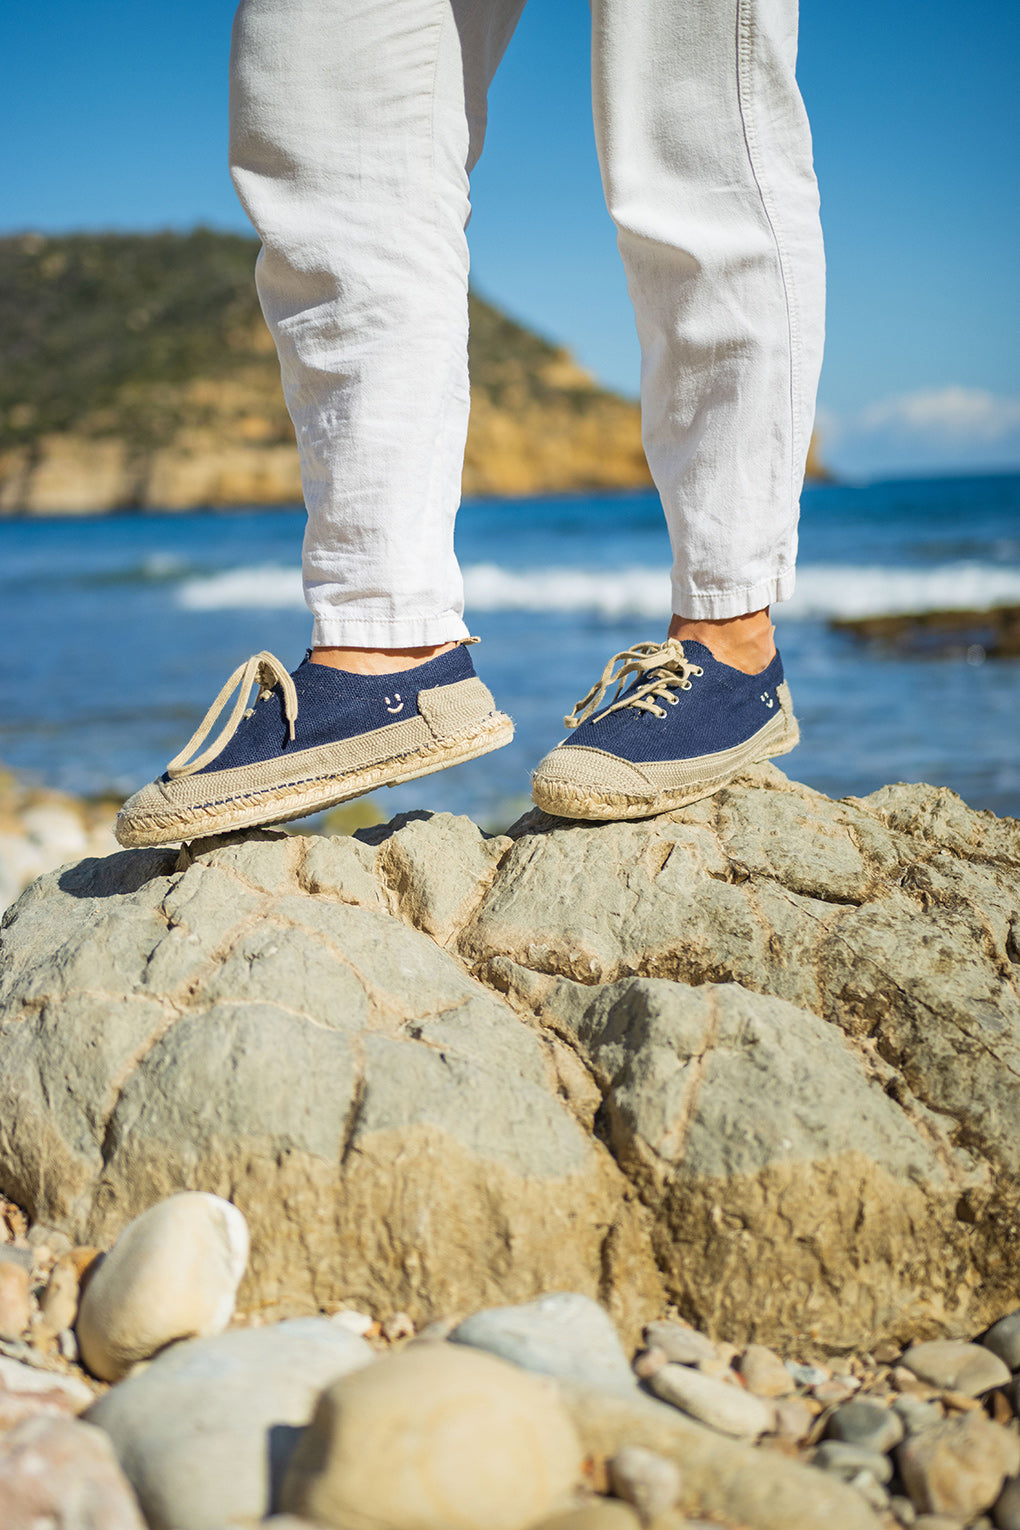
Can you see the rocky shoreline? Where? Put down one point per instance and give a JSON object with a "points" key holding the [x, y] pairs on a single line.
{"points": [[710, 1121], [187, 1416]]}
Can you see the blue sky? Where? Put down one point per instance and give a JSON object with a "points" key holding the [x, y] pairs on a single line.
{"points": [[113, 115]]}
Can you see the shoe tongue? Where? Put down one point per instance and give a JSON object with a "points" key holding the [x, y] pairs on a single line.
{"points": [[696, 653]]}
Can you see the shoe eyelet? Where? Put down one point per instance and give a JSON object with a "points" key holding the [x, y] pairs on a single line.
{"points": [[672, 701]]}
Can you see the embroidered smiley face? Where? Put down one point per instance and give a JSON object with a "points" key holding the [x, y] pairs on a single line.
{"points": [[769, 701], [393, 710]]}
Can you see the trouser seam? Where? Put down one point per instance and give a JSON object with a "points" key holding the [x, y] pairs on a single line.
{"points": [[745, 105]]}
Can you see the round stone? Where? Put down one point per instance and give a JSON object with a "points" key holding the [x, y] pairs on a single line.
{"points": [[869, 1425], [847, 1460], [958, 1466], [600, 1514], [172, 1274], [1006, 1509], [915, 1414], [648, 1481], [680, 1344], [957, 1366], [434, 1436], [1003, 1339], [764, 1373], [15, 1305]]}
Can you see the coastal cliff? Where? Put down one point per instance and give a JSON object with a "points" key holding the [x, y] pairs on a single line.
{"points": [[136, 372]]}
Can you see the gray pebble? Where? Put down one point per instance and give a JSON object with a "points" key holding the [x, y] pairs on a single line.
{"points": [[21, 1256], [869, 1425], [564, 1334], [916, 1415], [847, 1460], [1006, 1510], [1003, 1339], [871, 1491], [683, 1346], [957, 1366]]}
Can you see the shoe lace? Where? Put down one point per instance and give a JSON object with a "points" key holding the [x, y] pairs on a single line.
{"points": [[665, 670], [264, 668]]}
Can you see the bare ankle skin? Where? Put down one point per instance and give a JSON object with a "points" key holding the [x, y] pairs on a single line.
{"points": [[378, 661], [743, 642]]}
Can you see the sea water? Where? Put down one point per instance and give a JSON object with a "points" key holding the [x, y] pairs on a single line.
{"points": [[117, 632]]}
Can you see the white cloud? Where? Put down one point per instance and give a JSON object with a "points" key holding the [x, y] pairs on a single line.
{"points": [[961, 414]]}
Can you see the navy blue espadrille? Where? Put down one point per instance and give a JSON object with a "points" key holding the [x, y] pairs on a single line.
{"points": [[312, 739], [679, 725]]}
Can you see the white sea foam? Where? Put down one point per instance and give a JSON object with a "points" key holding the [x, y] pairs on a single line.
{"points": [[823, 590]]}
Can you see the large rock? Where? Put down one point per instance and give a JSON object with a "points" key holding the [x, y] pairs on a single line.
{"points": [[768, 1044], [255, 1019], [804, 1023], [205, 1432]]}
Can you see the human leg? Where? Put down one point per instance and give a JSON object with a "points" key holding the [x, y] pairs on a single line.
{"points": [[706, 162], [354, 128]]}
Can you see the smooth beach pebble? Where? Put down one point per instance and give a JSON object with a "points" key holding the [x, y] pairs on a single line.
{"points": [[727, 1408], [957, 1366], [793, 1419], [866, 1424], [600, 1514], [204, 1432], [15, 1303], [172, 1274], [645, 1479], [1003, 1339], [434, 1436], [682, 1345], [847, 1460], [958, 1466], [764, 1373], [59, 1474], [354, 1322], [565, 1335], [917, 1415], [648, 1362], [1006, 1509], [59, 1302]]}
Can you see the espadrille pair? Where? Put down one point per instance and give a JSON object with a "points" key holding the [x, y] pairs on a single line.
{"points": [[678, 726]]}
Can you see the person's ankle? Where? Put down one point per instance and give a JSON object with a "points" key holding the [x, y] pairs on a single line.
{"points": [[378, 661], [743, 642]]}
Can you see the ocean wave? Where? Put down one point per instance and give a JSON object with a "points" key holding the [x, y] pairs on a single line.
{"points": [[823, 590]]}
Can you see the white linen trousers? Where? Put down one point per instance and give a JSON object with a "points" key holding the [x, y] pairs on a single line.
{"points": [[354, 127]]}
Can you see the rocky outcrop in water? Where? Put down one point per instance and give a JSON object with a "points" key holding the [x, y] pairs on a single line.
{"points": [[758, 1057]]}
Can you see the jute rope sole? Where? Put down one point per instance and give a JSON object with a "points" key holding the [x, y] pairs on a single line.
{"points": [[565, 799], [281, 804]]}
